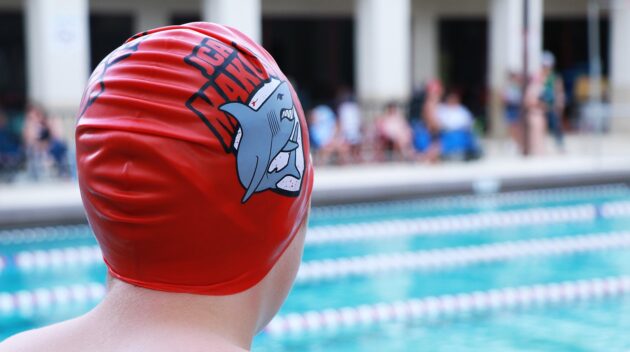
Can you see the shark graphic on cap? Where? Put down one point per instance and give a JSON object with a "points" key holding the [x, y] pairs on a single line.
{"points": [[268, 144]]}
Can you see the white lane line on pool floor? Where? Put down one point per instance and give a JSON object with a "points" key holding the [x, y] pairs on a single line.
{"points": [[448, 202], [458, 256], [464, 222], [430, 307], [42, 298]]}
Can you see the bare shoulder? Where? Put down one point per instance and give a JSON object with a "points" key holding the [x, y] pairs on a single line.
{"points": [[57, 337], [23, 342]]}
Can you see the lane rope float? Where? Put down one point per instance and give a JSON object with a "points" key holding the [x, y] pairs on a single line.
{"points": [[436, 259], [43, 298], [458, 304], [465, 222]]}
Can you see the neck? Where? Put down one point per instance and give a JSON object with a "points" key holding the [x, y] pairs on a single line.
{"points": [[230, 321]]}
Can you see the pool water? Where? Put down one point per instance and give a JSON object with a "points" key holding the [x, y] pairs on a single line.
{"points": [[597, 324]]}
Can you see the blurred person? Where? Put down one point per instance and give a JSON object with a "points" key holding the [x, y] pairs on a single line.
{"points": [[421, 136], [350, 129], [535, 116], [34, 133], [395, 132], [199, 198], [43, 144], [323, 130], [10, 149], [456, 128], [513, 103], [552, 97], [418, 97], [427, 135]]}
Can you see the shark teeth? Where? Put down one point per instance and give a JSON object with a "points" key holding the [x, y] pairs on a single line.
{"points": [[287, 113]]}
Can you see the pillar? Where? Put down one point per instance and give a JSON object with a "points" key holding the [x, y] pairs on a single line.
{"points": [[620, 70], [57, 35], [506, 50], [505, 55], [244, 15], [383, 50], [149, 17], [425, 47], [535, 36]]}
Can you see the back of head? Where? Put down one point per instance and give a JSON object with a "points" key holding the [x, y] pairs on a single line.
{"points": [[193, 160], [548, 60]]}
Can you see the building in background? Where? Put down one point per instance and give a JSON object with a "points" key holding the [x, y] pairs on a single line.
{"points": [[379, 48]]}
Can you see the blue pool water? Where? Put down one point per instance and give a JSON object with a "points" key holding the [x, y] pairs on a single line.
{"points": [[584, 325]]}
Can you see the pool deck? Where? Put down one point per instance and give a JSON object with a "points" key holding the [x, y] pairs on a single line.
{"points": [[586, 160]]}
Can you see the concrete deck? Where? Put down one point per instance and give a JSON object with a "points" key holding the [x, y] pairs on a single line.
{"points": [[587, 160]]}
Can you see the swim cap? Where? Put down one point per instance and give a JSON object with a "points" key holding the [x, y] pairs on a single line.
{"points": [[193, 160]]}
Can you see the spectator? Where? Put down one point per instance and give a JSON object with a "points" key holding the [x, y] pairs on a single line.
{"points": [[10, 151], [513, 101], [44, 148], [349, 114], [552, 97], [456, 125], [427, 135], [323, 131], [535, 116], [394, 131]]}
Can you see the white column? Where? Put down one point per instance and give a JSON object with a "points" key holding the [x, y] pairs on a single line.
{"points": [[535, 37], [505, 53], [244, 15], [425, 47], [619, 67], [150, 17], [383, 54], [506, 50], [57, 52]]}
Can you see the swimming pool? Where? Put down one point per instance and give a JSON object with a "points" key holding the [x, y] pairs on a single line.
{"points": [[540, 270]]}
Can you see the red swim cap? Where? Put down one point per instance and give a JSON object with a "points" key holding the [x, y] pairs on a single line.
{"points": [[193, 160]]}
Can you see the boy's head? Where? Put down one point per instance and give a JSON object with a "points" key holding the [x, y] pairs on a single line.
{"points": [[452, 97], [193, 161]]}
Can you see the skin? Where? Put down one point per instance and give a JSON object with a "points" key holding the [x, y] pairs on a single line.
{"points": [[131, 318]]}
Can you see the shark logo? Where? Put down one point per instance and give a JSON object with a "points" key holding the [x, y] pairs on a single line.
{"points": [[268, 142]]}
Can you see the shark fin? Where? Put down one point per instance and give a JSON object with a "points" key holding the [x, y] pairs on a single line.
{"points": [[290, 146], [240, 111], [259, 172]]}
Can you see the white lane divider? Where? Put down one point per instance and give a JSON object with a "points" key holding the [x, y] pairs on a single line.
{"points": [[448, 202], [44, 234], [42, 298], [616, 209], [457, 256], [27, 260], [430, 307], [465, 222], [369, 264], [334, 233], [44, 259]]}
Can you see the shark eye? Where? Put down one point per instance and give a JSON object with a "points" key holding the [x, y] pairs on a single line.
{"points": [[280, 95]]}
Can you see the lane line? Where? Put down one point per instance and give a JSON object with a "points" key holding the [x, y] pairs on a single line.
{"points": [[446, 305], [466, 222], [437, 259], [448, 202], [45, 298]]}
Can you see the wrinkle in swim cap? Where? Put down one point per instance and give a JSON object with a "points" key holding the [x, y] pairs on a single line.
{"points": [[193, 160]]}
